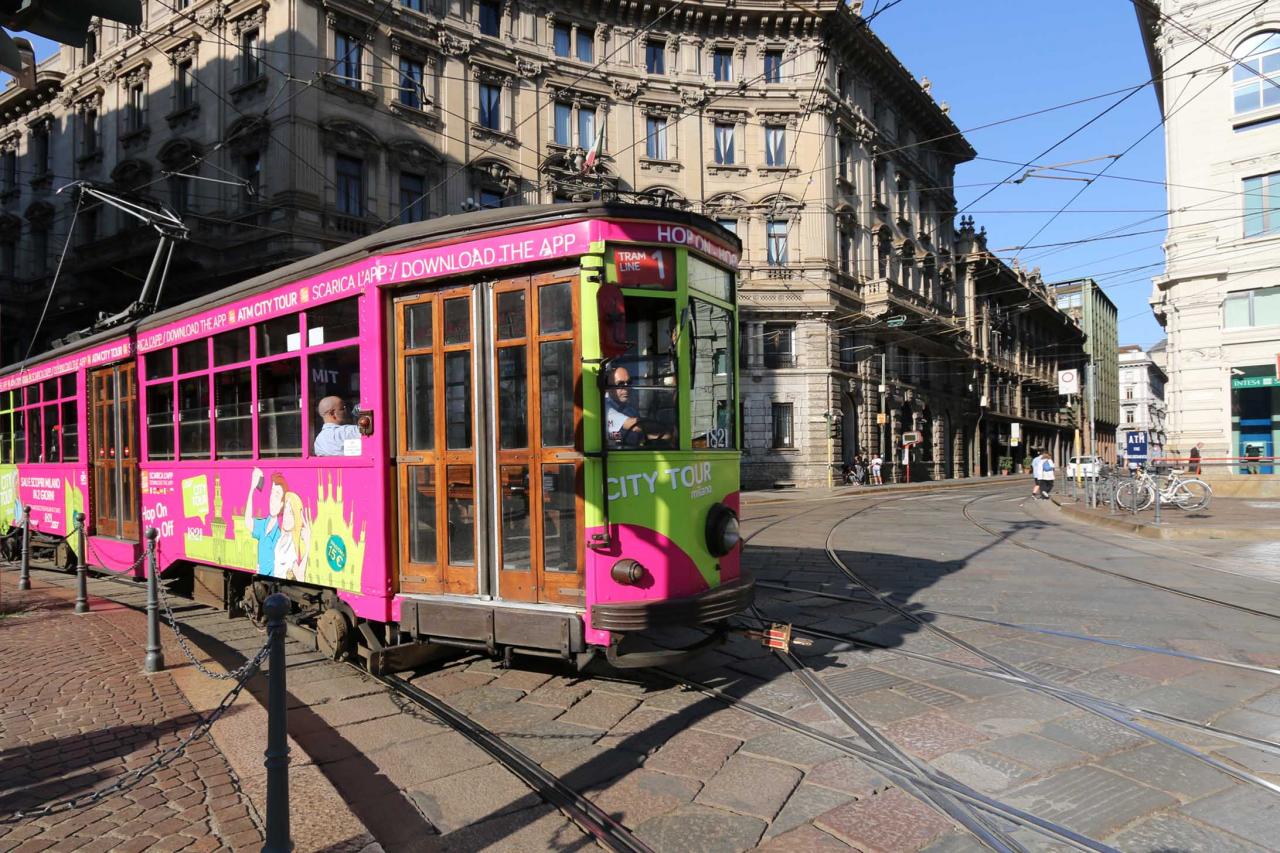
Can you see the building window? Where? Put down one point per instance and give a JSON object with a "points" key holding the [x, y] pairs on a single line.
{"points": [[39, 249], [350, 55], [90, 46], [1246, 308], [561, 39], [410, 83], [773, 66], [415, 5], [413, 197], [184, 85], [783, 434], [586, 44], [490, 199], [844, 153], [251, 173], [89, 132], [722, 65], [586, 128], [846, 252], [180, 191], [490, 15], [250, 56], [10, 171], [779, 345], [1255, 78], [655, 59], [564, 124], [350, 180], [136, 110], [730, 225], [775, 145], [724, 143], [1262, 204], [655, 143], [491, 106], [904, 196], [776, 245]]}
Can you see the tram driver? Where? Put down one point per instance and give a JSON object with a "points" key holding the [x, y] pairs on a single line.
{"points": [[626, 427], [334, 435]]}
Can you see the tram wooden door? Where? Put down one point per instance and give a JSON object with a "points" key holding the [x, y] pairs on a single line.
{"points": [[113, 425], [535, 358], [489, 477]]}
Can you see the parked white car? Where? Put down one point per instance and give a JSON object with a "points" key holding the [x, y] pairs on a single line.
{"points": [[1084, 466]]}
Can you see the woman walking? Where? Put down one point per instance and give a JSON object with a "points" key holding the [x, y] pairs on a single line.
{"points": [[1046, 475]]}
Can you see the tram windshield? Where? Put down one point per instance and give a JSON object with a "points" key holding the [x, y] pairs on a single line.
{"points": [[711, 395], [641, 397]]}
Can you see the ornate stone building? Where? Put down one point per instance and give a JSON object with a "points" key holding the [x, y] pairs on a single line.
{"points": [[278, 129]]}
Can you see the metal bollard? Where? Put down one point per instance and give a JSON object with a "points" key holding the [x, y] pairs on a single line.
{"points": [[1114, 492], [24, 569], [1157, 503], [277, 841], [155, 654], [82, 573]]}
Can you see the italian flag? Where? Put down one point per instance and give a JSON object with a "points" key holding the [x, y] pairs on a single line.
{"points": [[594, 154]]}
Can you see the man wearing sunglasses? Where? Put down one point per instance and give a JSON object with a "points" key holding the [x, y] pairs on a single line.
{"points": [[623, 422], [331, 441]]}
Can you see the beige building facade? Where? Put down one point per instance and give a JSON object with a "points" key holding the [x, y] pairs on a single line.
{"points": [[1219, 295], [277, 129]]}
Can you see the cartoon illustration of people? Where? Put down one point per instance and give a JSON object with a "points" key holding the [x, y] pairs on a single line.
{"points": [[267, 528], [294, 543]]}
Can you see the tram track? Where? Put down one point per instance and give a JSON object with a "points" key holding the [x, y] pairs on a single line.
{"points": [[1009, 538]]}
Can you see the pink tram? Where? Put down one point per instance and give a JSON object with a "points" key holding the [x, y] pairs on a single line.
{"points": [[513, 430]]}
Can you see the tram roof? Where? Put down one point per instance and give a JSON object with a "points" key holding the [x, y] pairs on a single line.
{"points": [[389, 239]]}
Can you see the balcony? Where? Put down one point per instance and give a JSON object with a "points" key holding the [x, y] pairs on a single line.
{"points": [[347, 226], [779, 360]]}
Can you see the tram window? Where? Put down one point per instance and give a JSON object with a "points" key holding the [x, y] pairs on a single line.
{"points": [[50, 389], [556, 386], [510, 311], [159, 364], [70, 432], [233, 414], [516, 537], [457, 400], [231, 347], [457, 321], [422, 514], [420, 391], [278, 336], [555, 308], [513, 398], [193, 418], [6, 432], [711, 279], [34, 450], [160, 421], [52, 436], [69, 385], [336, 321], [460, 506], [641, 399], [33, 394], [711, 401], [19, 434], [279, 409], [334, 373], [193, 356], [559, 519], [417, 322]]}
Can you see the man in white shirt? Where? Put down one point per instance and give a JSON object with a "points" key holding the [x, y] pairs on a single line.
{"points": [[336, 432], [1036, 465], [623, 422]]}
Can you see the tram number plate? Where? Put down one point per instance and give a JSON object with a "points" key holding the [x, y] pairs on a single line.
{"points": [[718, 438]]}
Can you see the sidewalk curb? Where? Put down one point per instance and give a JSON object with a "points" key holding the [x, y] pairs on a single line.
{"points": [[1150, 531], [761, 497]]}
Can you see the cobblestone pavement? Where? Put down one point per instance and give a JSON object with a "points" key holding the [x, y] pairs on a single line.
{"points": [[77, 712], [687, 772]]}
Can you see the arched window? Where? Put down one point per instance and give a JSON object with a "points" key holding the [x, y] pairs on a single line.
{"points": [[1255, 79]]}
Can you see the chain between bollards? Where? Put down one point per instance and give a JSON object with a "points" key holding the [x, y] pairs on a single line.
{"points": [[24, 569], [82, 572], [155, 654], [276, 608]]}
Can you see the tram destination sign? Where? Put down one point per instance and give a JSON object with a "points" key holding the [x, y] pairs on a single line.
{"points": [[642, 266]]}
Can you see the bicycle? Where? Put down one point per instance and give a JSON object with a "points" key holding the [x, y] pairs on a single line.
{"points": [[1188, 494]]}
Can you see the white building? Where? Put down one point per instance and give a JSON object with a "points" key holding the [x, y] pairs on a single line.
{"points": [[1142, 404], [1219, 295]]}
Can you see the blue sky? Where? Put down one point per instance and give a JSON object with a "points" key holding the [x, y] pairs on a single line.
{"points": [[1001, 58], [997, 59]]}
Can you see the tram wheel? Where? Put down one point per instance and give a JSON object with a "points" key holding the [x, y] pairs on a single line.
{"points": [[333, 635]]}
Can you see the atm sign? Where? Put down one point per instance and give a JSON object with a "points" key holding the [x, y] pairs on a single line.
{"points": [[645, 267]]}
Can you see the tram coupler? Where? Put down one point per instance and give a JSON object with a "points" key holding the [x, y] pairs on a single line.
{"points": [[778, 637]]}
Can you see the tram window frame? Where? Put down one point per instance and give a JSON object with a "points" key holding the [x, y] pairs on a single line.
{"points": [[6, 427], [294, 330], [723, 411], [30, 412], [668, 383]]}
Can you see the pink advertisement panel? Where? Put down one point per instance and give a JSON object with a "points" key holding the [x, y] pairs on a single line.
{"points": [[102, 354]]}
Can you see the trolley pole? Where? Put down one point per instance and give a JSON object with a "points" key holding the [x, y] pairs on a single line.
{"points": [[24, 569], [277, 754], [155, 654], [82, 572]]}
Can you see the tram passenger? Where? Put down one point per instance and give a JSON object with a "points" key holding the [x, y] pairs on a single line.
{"points": [[332, 438], [624, 423]]}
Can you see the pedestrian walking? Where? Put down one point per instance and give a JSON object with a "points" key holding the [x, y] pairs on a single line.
{"points": [[1036, 465], [1195, 458], [1252, 454], [1046, 475], [876, 464]]}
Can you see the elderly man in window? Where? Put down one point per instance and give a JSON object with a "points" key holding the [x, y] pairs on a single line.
{"points": [[336, 432]]}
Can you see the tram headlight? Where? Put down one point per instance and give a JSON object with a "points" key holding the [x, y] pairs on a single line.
{"points": [[722, 530], [627, 572]]}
